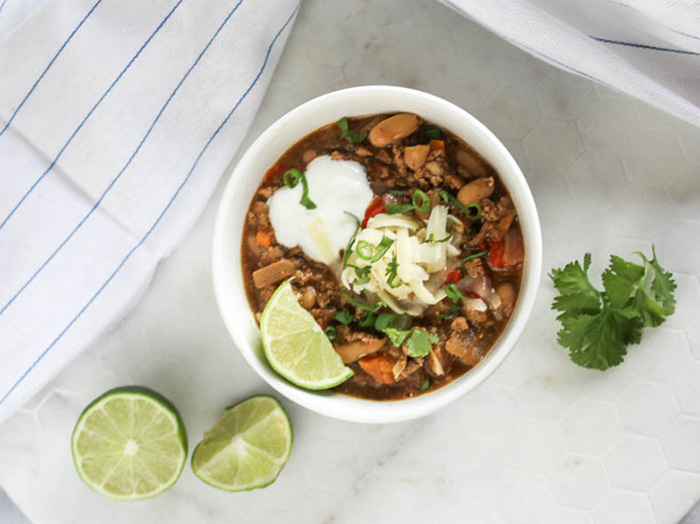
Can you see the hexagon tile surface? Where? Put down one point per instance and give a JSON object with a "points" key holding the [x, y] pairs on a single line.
{"points": [[542, 441]]}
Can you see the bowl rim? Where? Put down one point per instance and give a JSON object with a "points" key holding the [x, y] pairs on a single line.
{"points": [[363, 410]]}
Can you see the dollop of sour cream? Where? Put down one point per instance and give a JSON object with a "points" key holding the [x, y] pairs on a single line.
{"points": [[337, 187]]}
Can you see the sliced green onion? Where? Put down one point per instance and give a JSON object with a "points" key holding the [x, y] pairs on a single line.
{"points": [[421, 201], [356, 303], [382, 248], [453, 292], [305, 200], [473, 211], [396, 192], [425, 385], [431, 238], [395, 209], [291, 178], [365, 250], [392, 272], [331, 332], [348, 248]]}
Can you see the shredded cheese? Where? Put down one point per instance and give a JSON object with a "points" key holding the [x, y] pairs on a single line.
{"points": [[419, 250]]}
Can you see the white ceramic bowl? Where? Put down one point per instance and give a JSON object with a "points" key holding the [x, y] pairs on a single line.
{"points": [[228, 280]]}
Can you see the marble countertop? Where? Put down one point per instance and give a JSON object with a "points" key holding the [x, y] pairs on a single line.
{"points": [[542, 440]]}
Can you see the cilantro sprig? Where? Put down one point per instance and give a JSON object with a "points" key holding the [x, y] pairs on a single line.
{"points": [[597, 326]]}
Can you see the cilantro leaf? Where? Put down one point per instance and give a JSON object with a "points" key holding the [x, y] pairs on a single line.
{"points": [[599, 341], [598, 326], [344, 317], [576, 293], [662, 283], [421, 343], [397, 336]]}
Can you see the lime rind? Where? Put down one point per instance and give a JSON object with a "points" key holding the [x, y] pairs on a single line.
{"points": [[176, 440], [292, 340], [225, 450]]}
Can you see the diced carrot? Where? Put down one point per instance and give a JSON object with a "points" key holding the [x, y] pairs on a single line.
{"points": [[264, 237], [379, 367], [437, 144]]}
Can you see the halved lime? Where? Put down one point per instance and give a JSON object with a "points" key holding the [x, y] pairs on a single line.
{"points": [[247, 448], [129, 444], [296, 346]]}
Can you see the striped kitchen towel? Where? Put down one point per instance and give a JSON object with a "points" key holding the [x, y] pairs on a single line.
{"points": [[117, 119], [649, 49]]}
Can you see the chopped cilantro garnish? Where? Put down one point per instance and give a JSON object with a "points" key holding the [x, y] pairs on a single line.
{"points": [[367, 319], [354, 137], [597, 326], [425, 385], [344, 317], [397, 336], [421, 343], [357, 303]]}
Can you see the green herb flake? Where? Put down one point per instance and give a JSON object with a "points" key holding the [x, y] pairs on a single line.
{"points": [[425, 385], [354, 137], [395, 209], [344, 317], [397, 336], [367, 319], [453, 292], [432, 134], [597, 326], [421, 343]]}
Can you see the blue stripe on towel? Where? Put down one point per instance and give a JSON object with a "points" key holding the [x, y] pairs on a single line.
{"points": [[644, 46], [85, 119], [157, 221], [128, 162], [46, 69]]}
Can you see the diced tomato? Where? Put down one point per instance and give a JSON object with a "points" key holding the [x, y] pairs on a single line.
{"points": [[376, 207], [496, 253], [276, 172], [379, 367], [452, 277]]}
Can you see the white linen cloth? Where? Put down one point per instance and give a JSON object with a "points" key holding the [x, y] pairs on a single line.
{"points": [[649, 49], [117, 119]]}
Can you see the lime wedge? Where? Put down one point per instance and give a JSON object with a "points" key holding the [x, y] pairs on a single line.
{"points": [[296, 346], [129, 444], [247, 448]]}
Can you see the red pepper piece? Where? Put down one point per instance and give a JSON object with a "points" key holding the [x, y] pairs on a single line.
{"points": [[376, 207], [496, 248], [452, 277]]}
